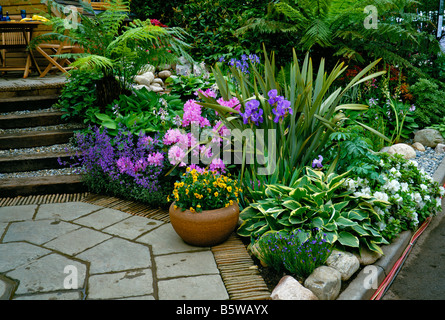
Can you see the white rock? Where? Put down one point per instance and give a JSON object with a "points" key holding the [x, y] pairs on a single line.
{"points": [[140, 86], [156, 89], [145, 79], [324, 282], [159, 81], [346, 263], [418, 146], [164, 74], [290, 289], [155, 84], [367, 257], [407, 151], [429, 137], [440, 148]]}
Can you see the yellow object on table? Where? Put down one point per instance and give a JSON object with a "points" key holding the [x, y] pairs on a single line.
{"points": [[35, 18]]}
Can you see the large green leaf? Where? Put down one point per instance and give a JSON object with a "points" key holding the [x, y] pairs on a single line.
{"points": [[348, 239]]}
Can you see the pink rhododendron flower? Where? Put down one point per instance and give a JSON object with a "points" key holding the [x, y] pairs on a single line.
{"points": [[176, 156], [172, 136], [155, 159], [218, 165]]}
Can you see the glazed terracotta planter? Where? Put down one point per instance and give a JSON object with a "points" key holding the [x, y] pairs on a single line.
{"points": [[207, 228]]}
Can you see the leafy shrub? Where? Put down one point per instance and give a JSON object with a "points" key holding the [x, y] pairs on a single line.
{"points": [[298, 252], [143, 112], [429, 100], [78, 94], [318, 201], [212, 25]]}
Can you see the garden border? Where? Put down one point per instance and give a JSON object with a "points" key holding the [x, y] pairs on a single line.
{"points": [[392, 252]]}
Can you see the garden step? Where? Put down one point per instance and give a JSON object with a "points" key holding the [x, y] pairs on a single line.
{"points": [[12, 187], [35, 138], [32, 162], [42, 118], [19, 103]]}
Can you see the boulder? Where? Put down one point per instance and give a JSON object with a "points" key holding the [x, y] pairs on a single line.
{"points": [[324, 282], [346, 263], [290, 289], [164, 74], [158, 81], [429, 137], [145, 78], [440, 148], [156, 88], [407, 151], [367, 257], [418, 146]]}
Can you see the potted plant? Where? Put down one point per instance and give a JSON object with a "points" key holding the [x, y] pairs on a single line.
{"points": [[205, 210]]}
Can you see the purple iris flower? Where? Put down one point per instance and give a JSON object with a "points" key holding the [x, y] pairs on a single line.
{"points": [[317, 162], [252, 112]]}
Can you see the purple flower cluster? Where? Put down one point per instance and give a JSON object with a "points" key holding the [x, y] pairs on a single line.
{"points": [[252, 113], [243, 63], [281, 106], [125, 158]]}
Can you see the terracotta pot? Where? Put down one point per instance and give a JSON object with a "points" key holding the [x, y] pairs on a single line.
{"points": [[206, 228]]}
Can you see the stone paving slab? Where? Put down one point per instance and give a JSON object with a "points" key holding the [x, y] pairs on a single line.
{"points": [[75, 250]]}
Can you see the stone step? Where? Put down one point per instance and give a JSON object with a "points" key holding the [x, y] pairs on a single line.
{"points": [[33, 162], [19, 103], [35, 119], [35, 138], [12, 187]]}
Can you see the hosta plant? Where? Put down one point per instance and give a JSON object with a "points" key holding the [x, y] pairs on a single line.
{"points": [[316, 200]]}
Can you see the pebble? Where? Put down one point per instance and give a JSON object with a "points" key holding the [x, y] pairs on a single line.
{"points": [[429, 160], [40, 173], [54, 148], [72, 126]]}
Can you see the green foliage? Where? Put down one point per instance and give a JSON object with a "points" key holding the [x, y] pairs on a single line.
{"points": [[430, 101], [352, 151], [337, 26], [78, 95], [316, 200], [212, 25], [186, 86], [440, 127], [143, 112]]}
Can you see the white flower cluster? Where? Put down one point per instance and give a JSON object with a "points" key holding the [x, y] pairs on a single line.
{"points": [[400, 191]]}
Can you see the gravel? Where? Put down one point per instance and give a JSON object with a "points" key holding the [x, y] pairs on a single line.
{"points": [[40, 173], [22, 112], [54, 148], [63, 126], [429, 160]]}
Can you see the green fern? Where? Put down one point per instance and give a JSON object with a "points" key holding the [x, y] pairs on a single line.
{"points": [[338, 25]]}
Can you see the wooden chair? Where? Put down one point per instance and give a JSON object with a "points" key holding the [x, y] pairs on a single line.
{"points": [[15, 39], [55, 63]]}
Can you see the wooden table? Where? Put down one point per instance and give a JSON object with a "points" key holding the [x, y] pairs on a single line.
{"points": [[25, 29]]}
